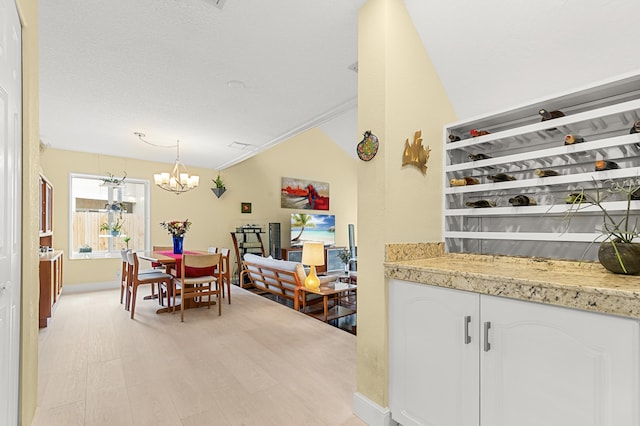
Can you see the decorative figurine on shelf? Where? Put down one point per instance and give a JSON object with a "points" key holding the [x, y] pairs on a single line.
{"points": [[546, 115], [571, 139], [480, 204], [475, 133], [501, 177], [602, 165], [467, 180], [477, 157], [415, 154], [545, 173], [368, 147], [635, 128], [575, 198], [522, 200], [453, 138]]}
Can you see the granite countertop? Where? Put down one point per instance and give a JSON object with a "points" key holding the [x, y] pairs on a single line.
{"points": [[581, 285]]}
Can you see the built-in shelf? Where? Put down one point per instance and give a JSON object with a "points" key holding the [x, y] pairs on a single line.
{"points": [[518, 144]]}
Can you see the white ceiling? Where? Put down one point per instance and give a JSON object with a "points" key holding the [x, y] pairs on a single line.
{"points": [[495, 54], [162, 67]]}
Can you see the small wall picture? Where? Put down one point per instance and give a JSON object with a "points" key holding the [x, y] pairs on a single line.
{"points": [[245, 207], [304, 194]]}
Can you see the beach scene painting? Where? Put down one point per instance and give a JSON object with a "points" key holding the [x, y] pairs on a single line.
{"points": [[313, 227], [304, 194]]}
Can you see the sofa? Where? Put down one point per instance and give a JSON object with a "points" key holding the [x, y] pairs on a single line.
{"points": [[281, 278]]}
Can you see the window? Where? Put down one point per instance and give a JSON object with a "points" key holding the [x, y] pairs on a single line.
{"points": [[107, 217]]}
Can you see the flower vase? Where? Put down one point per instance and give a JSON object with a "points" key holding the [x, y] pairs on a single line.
{"points": [[177, 244]]}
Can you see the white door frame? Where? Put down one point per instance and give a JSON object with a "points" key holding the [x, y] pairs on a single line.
{"points": [[10, 209]]}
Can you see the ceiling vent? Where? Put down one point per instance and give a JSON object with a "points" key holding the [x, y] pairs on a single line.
{"points": [[217, 3], [240, 145]]}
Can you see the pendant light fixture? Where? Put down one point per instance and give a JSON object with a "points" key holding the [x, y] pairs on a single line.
{"points": [[178, 180]]}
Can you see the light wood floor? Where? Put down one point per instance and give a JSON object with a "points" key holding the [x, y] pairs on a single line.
{"points": [[260, 363]]}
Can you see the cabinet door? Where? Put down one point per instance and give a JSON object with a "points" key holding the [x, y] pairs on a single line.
{"points": [[555, 366], [433, 367]]}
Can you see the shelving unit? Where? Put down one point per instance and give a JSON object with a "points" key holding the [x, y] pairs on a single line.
{"points": [[246, 239], [519, 144]]}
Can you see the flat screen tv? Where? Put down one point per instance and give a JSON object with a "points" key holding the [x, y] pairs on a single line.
{"points": [[313, 227]]}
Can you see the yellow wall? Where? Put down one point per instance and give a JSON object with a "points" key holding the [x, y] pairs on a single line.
{"points": [[256, 180], [399, 92], [30, 291]]}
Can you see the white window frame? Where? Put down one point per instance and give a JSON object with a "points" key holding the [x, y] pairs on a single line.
{"points": [[113, 253]]}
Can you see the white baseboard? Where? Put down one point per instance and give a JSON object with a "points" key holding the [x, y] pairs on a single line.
{"points": [[370, 412], [85, 287]]}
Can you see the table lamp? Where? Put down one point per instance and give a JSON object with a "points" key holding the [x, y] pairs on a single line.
{"points": [[312, 255]]}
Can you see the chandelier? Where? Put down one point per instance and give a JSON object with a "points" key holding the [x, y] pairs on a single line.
{"points": [[178, 180]]}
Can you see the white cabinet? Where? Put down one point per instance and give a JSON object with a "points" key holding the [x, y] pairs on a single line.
{"points": [[518, 145], [433, 358], [526, 363]]}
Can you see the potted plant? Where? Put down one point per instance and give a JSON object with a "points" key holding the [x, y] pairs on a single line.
{"points": [[219, 188], [617, 252], [345, 257], [126, 241], [113, 227], [111, 180]]}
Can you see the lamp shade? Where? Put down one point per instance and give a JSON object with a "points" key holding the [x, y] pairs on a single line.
{"points": [[313, 253]]}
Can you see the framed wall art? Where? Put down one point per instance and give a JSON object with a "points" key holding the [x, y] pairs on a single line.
{"points": [[245, 207], [304, 194]]}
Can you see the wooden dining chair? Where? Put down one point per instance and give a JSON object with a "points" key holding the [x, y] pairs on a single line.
{"points": [[160, 267], [135, 279], [226, 274], [124, 272], [200, 276]]}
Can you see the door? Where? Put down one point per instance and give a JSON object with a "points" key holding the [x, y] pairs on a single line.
{"points": [[433, 355], [555, 366], [10, 207]]}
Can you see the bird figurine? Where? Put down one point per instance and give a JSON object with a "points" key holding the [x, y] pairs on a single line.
{"points": [[522, 200], [477, 157], [575, 198], [606, 165], [546, 115], [571, 139], [475, 133], [501, 177], [481, 204], [545, 173]]}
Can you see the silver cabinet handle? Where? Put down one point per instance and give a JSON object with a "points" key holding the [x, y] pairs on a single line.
{"points": [[487, 345], [467, 336]]}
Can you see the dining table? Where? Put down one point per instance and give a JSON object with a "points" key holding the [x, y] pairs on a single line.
{"points": [[172, 262]]}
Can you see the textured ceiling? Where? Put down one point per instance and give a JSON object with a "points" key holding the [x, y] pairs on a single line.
{"points": [[163, 67]]}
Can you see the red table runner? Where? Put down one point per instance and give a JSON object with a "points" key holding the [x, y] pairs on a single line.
{"points": [[190, 272]]}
